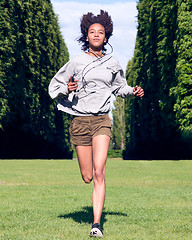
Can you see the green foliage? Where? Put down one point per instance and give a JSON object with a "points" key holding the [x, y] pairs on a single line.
{"points": [[129, 105], [118, 129], [162, 66], [114, 153], [32, 51], [183, 46]]}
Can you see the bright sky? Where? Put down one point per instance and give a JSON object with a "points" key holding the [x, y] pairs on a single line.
{"points": [[99, 1], [124, 16]]}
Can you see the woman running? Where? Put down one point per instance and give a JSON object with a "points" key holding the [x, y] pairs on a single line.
{"points": [[83, 88]]}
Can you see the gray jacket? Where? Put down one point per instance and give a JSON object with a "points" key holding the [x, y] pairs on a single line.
{"points": [[98, 79]]}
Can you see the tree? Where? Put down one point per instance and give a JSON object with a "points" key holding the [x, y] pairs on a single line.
{"points": [[118, 130], [32, 51], [151, 122], [183, 90]]}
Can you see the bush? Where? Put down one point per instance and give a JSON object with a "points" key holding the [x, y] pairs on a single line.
{"points": [[115, 154], [111, 154]]}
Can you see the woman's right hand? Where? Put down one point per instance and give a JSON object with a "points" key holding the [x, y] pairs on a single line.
{"points": [[72, 86]]}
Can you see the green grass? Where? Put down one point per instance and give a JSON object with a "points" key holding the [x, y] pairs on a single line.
{"points": [[46, 199]]}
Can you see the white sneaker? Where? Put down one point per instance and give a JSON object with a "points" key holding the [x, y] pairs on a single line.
{"points": [[96, 231]]}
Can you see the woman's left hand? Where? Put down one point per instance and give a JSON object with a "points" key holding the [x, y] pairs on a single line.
{"points": [[138, 91]]}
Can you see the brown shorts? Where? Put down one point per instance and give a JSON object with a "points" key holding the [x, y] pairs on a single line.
{"points": [[84, 129]]}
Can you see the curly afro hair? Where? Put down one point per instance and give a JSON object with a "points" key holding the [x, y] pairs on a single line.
{"points": [[87, 20]]}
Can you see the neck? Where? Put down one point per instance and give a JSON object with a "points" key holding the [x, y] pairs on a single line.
{"points": [[95, 53]]}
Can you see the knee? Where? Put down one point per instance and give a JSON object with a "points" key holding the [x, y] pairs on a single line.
{"points": [[87, 179], [99, 176]]}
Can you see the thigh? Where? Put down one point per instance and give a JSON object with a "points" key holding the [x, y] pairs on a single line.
{"points": [[84, 155], [100, 145]]}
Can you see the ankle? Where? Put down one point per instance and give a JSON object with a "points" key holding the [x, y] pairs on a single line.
{"points": [[96, 223]]}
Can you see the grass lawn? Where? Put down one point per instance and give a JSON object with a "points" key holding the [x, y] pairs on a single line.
{"points": [[46, 199]]}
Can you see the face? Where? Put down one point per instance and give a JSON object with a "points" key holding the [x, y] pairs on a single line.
{"points": [[96, 36]]}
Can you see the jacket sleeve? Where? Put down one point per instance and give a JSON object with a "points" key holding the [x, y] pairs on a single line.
{"points": [[120, 86], [58, 86]]}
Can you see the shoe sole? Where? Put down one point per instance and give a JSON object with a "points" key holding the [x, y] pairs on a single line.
{"points": [[95, 232]]}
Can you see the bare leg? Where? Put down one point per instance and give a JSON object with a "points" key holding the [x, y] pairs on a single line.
{"points": [[100, 146], [84, 154], [92, 160]]}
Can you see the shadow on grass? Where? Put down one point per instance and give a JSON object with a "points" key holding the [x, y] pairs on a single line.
{"points": [[86, 215]]}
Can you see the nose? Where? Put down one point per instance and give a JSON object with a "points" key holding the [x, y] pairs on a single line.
{"points": [[96, 34]]}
